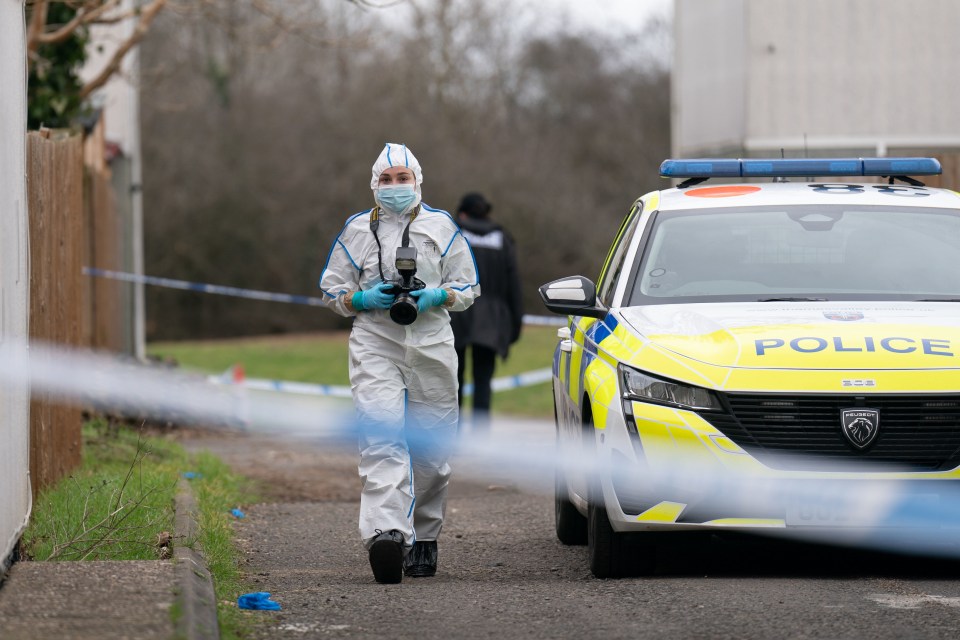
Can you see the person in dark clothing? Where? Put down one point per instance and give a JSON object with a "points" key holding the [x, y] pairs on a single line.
{"points": [[493, 323]]}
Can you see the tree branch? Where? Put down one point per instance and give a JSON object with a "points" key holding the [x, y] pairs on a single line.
{"points": [[285, 27], [115, 18], [84, 15], [147, 14], [38, 21]]}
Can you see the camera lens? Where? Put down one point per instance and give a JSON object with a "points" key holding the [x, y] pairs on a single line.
{"points": [[404, 309]]}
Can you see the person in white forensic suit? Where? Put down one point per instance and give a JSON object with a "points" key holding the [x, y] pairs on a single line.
{"points": [[403, 366]]}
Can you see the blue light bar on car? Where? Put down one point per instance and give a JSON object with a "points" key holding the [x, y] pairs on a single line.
{"points": [[798, 167]]}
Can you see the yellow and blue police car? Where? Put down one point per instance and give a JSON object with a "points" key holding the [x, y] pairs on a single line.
{"points": [[794, 327]]}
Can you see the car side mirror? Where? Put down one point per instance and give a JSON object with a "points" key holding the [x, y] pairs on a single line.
{"points": [[573, 296]]}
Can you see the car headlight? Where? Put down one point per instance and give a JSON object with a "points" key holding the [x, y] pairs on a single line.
{"points": [[640, 386]]}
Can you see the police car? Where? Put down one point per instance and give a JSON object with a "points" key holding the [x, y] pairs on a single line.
{"points": [[792, 327]]}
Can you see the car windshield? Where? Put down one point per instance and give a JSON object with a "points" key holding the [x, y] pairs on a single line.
{"points": [[800, 252]]}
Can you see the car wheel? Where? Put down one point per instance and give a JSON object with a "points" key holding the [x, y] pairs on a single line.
{"points": [[571, 525], [613, 554]]}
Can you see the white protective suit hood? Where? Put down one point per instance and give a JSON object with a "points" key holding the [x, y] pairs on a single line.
{"points": [[394, 155]]}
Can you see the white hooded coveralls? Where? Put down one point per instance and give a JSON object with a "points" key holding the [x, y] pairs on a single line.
{"points": [[404, 378]]}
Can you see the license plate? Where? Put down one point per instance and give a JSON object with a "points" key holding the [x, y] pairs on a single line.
{"points": [[829, 512], [825, 514]]}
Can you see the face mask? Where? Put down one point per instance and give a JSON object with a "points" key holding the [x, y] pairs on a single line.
{"points": [[396, 198]]}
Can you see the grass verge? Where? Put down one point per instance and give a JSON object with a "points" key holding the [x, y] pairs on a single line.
{"points": [[116, 506], [119, 506], [217, 492]]}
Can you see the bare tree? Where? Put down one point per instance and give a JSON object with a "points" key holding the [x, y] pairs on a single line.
{"points": [[57, 31], [561, 132]]}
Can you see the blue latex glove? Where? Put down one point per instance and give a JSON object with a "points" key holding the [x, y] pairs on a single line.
{"points": [[376, 298], [259, 600], [427, 298]]}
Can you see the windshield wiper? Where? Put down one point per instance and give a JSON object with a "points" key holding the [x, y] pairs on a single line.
{"points": [[792, 300], [938, 300]]}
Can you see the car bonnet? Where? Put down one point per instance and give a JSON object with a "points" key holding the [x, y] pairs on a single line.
{"points": [[823, 336]]}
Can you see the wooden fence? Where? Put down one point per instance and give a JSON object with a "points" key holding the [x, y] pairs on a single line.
{"points": [[55, 200], [73, 223]]}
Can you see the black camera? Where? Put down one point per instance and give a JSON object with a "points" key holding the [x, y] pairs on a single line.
{"points": [[404, 308]]}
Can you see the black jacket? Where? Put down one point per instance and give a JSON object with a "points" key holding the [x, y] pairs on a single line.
{"points": [[495, 318]]}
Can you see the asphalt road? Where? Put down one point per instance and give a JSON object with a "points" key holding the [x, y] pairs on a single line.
{"points": [[503, 574]]}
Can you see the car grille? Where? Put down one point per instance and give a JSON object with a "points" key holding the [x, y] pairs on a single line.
{"points": [[917, 432]]}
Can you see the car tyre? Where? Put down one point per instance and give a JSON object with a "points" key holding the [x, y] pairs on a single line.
{"points": [[613, 554], [571, 525]]}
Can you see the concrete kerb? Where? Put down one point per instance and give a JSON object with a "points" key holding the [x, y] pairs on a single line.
{"points": [[195, 600]]}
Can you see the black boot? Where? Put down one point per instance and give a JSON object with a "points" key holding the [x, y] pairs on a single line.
{"points": [[421, 562], [386, 557]]}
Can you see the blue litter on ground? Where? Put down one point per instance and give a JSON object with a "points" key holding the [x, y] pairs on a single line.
{"points": [[191, 475], [258, 600], [237, 513]]}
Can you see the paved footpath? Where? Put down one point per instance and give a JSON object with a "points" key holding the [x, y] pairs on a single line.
{"points": [[114, 600], [102, 600], [504, 575]]}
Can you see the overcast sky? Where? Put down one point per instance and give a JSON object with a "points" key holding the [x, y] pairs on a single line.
{"points": [[612, 15]]}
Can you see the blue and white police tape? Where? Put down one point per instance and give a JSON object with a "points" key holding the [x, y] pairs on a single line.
{"points": [[505, 383], [545, 321], [901, 516], [185, 285], [254, 294]]}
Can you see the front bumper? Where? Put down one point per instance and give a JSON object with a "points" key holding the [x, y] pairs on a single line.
{"points": [[670, 469]]}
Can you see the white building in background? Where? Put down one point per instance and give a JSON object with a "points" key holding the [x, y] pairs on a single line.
{"points": [[119, 100], [14, 277], [842, 77]]}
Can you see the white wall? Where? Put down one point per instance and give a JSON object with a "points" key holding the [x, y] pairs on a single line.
{"points": [[115, 96], [120, 100], [709, 75], [842, 74], [14, 275]]}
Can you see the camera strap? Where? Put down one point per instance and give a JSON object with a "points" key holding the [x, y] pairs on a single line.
{"points": [[404, 239]]}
